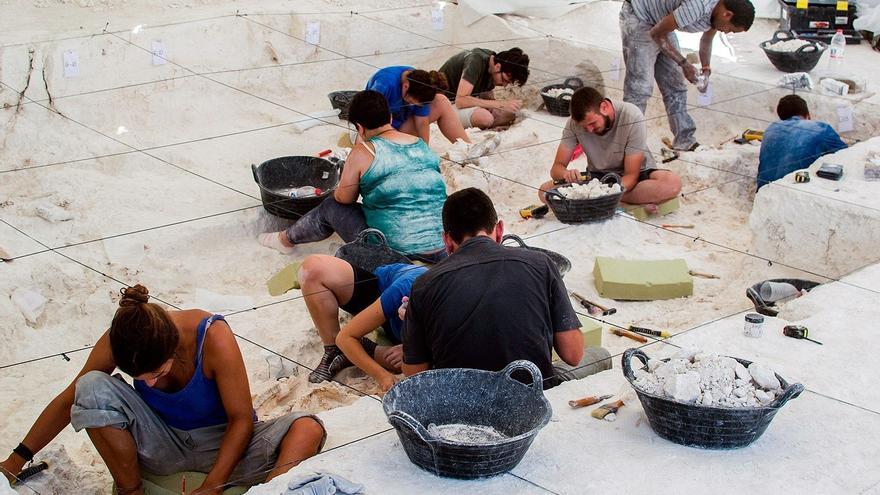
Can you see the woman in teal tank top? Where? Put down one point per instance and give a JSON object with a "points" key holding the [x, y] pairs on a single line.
{"points": [[398, 177]]}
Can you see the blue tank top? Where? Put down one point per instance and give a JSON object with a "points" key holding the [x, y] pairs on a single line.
{"points": [[403, 194], [198, 404]]}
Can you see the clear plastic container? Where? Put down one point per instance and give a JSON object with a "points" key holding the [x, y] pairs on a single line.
{"points": [[305, 192], [837, 49]]}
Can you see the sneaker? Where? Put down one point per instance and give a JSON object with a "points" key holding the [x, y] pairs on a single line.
{"points": [[332, 363]]}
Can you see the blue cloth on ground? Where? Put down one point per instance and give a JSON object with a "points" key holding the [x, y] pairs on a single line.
{"points": [[387, 82], [323, 484], [794, 144], [395, 281]]}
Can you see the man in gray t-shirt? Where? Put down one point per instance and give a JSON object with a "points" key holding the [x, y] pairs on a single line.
{"points": [[613, 135], [650, 52]]}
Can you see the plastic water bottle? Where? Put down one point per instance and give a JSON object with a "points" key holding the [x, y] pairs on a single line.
{"points": [[838, 47], [305, 192]]}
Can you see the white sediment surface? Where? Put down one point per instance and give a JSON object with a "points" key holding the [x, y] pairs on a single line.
{"points": [[140, 173]]}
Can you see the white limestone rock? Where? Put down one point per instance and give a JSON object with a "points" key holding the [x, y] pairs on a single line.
{"points": [[764, 377]]}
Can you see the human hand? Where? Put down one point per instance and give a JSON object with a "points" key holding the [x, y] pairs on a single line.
{"points": [[690, 72], [572, 176], [10, 467], [395, 356], [511, 106], [387, 381], [706, 71], [401, 311]]}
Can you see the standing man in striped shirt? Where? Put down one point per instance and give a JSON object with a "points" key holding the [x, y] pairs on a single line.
{"points": [[651, 51]]}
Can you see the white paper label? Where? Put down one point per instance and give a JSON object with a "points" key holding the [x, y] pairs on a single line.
{"points": [[615, 69], [159, 56], [705, 98], [71, 64], [437, 18], [845, 120], [313, 32]]}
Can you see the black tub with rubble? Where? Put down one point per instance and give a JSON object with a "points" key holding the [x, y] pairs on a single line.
{"points": [[279, 176], [469, 397], [707, 427]]}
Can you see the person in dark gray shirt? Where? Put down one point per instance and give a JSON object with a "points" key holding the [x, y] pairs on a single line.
{"points": [[487, 305]]}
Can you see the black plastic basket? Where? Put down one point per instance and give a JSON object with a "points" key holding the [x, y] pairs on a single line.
{"points": [[370, 255], [802, 60], [768, 308], [341, 100], [585, 210], [276, 177], [561, 105], [706, 427], [469, 396], [561, 262]]}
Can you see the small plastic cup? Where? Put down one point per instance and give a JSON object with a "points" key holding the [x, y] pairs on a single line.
{"points": [[777, 291]]}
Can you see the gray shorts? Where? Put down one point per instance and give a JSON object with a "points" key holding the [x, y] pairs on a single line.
{"points": [[595, 360], [103, 400]]}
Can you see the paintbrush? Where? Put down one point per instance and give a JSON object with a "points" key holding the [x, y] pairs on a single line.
{"points": [[608, 412], [587, 401], [676, 226], [626, 333], [663, 334]]}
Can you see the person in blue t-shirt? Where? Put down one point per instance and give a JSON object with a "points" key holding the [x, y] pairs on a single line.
{"points": [[416, 101], [795, 142], [330, 284]]}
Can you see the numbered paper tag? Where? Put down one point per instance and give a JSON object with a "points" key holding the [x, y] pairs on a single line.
{"points": [[614, 73], [705, 98], [159, 55], [845, 120], [313, 32], [437, 18], [71, 64]]}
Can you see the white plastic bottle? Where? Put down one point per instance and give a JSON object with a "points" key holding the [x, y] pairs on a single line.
{"points": [[305, 192], [838, 47]]}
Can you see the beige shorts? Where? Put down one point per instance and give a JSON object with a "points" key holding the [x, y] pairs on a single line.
{"points": [[464, 116]]}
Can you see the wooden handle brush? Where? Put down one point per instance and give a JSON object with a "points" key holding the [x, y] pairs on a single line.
{"points": [[603, 411], [626, 333]]}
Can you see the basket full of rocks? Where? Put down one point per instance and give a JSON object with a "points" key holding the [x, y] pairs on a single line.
{"points": [[707, 400]]}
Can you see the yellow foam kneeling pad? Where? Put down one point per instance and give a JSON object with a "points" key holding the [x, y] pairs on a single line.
{"points": [[592, 331], [170, 484], [642, 280], [664, 208], [286, 279]]}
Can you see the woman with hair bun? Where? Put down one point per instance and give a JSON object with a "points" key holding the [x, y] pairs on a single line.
{"points": [[189, 409], [416, 100]]}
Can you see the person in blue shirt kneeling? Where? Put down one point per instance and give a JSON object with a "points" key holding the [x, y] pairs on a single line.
{"points": [[795, 142]]}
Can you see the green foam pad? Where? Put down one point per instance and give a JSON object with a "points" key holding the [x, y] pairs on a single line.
{"points": [[664, 208], [642, 280], [286, 279], [592, 331], [170, 484]]}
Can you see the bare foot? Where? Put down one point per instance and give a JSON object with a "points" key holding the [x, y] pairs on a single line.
{"points": [[277, 241], [390, 357], [651, 208]]}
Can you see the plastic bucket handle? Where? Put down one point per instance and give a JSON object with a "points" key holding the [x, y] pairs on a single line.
{"points": [[410, 422], [787, 35], [574, 82], [254, 170], [515, 238], [627, 365], [791, 392], [365, 234], [524, 365]]}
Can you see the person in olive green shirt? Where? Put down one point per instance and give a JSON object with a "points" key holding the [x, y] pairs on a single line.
{"points": [[473, 74]]}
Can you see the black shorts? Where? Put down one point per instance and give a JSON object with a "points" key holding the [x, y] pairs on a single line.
{"points": [[366, 291]]}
